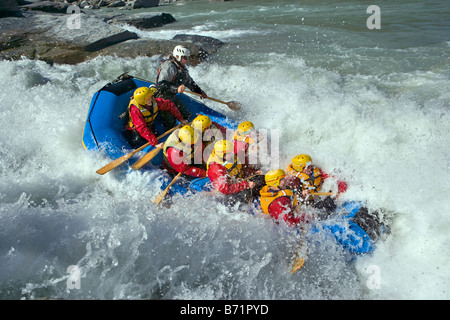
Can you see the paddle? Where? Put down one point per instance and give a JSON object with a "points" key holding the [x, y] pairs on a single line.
{"points": [[233, 105], [127, 156], [161, 196], [146, 158], [321, 193], [299, 258], [120, 160], [149, 156], [300, 255]]}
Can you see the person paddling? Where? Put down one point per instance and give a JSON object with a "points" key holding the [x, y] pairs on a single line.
{"points": [[183, 153], [172, 78], [227, 174], [142, 112], [278, 201], [308, 178], [246, 144], [209, 130]]}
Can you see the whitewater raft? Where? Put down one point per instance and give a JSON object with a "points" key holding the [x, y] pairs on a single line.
{"points": [[355, 229], [106, 119]]}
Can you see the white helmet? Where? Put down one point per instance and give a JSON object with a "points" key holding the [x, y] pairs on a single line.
{"points": [[180, 51]]}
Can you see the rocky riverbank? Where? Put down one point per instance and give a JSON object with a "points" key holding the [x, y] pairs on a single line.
{"points": [[56, 32]]}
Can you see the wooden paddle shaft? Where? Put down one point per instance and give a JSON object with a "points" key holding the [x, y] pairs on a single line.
{"points": [[321, 193], [163, 194], [213, 99], [115, 163]]}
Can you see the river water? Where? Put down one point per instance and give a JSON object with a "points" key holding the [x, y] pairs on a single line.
{"points": [[369, 104]]}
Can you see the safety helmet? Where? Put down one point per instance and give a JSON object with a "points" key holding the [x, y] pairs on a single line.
{"points": [[201, 122], [143, 93], [180, 51], [245, 127], [273, 177], [223, 146], [301, 161], [187, 135]]}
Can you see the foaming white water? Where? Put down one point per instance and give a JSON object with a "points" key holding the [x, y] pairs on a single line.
{"points": [[208, 30], [391, 148]]}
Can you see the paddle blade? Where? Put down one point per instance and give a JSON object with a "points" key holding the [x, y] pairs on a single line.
{"points": [[113, 164], [161, 196], [234, 105], [299, 258], [145, 159], [119, 161]]}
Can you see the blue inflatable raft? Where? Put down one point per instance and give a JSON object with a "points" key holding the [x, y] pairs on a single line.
{"points": [[106, 119], [104, 131]]}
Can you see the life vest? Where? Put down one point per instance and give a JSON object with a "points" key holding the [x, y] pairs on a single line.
{"points": [[312, 182], [180, 70], [174, 142], [248, 140], [267, 197], [234, 169], [149, 115]]}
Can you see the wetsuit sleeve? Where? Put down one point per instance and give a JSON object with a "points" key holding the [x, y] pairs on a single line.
{"points": [[189, 82], [167, 105], [221, 181], [281, 208], [177, 161], [194, 87], [142, 127]]}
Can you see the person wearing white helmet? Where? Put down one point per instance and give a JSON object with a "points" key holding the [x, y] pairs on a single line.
{"points": [[172, 78]]}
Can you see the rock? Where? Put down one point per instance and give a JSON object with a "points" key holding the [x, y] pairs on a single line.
{"points": [[47, 6], [56, 27], [11, 41], [111, 40], [210, 45], [145, 4], [144, 20], [116, 4], [9, 8], [151, 47], [48, 37], [34, 47], [75, 37]]}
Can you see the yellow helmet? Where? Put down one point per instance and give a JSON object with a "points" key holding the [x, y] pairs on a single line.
{"points": [[143, 93], [223, 146], [301, 161], [187, 135], [245, 127], [273, 177], [201, 122]]}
